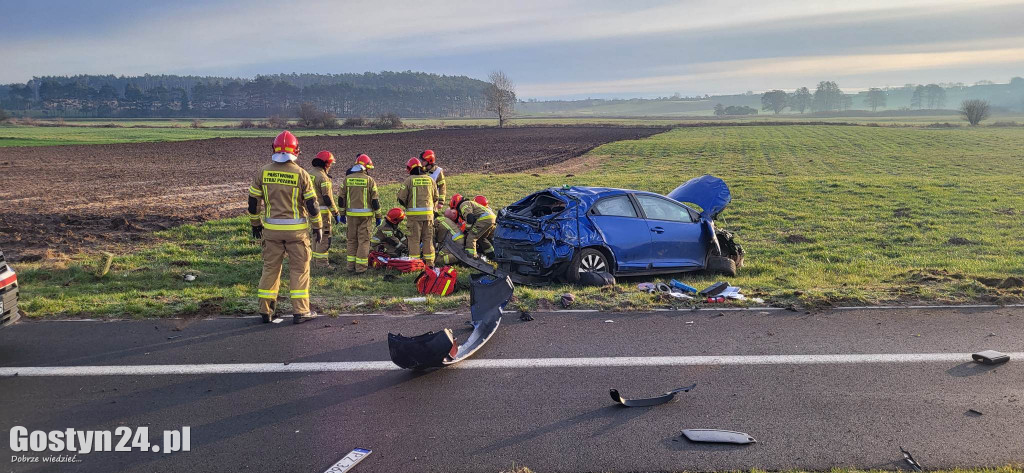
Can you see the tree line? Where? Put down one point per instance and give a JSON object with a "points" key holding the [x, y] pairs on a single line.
{"points": [[408, 94]]}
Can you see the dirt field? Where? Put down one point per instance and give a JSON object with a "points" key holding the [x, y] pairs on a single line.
{"points": [[65, 198]]}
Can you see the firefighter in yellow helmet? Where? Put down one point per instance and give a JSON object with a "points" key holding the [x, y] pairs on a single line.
{"points": [[289, 210], [359, 204], [418, 194], [328, 209], [481, 223], [389, 239], [444, 228]]}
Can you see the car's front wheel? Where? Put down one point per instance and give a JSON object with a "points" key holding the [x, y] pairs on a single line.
{"points": [[587, 260]]}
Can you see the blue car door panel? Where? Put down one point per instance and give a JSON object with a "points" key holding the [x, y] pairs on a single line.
{"points": [[625, 233], [676, 239]]}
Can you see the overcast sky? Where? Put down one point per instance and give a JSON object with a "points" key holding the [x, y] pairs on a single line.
{"points": [[550, 48]]}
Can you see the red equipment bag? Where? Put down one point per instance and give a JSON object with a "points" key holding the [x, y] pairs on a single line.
{"points": [[437, 281], [378, 259], [406, 265]]}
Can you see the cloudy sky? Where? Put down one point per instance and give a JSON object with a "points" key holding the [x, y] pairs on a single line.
{"points": [[551, 48]]}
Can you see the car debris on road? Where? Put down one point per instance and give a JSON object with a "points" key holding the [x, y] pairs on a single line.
{"points": [[652, 401], [990, 357], [718, 436], [488, 295], [910, 460]]}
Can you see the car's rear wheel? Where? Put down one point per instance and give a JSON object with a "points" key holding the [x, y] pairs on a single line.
{"points": [[587, 260]]}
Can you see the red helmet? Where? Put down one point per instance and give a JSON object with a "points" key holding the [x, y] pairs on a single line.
{"points": [[480, 200], [412, 163], [427, 156], [395, 215], [365, 161], [451, 214], [455, 200], [326, 156], [286, 142]]}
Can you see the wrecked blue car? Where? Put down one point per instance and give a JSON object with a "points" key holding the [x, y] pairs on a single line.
{"points": [[561, 233]]}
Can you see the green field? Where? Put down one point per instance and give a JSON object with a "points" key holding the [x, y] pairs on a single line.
{"points": [[828, 215], [75, 135]]}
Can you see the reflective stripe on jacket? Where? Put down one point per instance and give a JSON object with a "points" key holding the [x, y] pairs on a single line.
{"points": [[283, 188]]}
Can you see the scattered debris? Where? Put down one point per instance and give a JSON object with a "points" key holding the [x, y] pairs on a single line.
{"points": [[910, 460], [609, 321], [691, 322], [175, 336], [104, 265], [525, 316], [714, 289], [414, 300], [679, 295], [975, 412], [189, 277], [717, 436], [990, 357], [568, 299], [683, 287], [596, 279], [646, 286], [436, 349], [348, 461], [653, 401]]}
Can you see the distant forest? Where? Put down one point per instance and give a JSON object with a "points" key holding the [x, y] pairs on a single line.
{"points": [[421, 95], [408, 94]]}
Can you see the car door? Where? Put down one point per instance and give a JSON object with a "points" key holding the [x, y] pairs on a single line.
{"points": [[676, 237], [625, 232]]}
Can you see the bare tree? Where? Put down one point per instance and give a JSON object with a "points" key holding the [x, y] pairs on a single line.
{"points": [[875, 98], [501, 96], [974, 111], [774, 100]]}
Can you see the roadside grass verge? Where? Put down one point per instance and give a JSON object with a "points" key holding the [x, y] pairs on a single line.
{"points": [[827, 215], [49, 136]]}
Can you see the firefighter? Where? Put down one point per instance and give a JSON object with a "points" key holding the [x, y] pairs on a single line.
{"points": [[435, 172], [444, 228], [389, 239], [480, 225], [289, 210], [359, 202], [482, 201], [418, 194], [328, 209]]}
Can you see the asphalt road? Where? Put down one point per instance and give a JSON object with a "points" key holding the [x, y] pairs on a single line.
{"points": [[805, 414]]}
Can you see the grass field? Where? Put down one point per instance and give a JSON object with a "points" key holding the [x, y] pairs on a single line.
{"points": [[48, 136], [828, 215]]}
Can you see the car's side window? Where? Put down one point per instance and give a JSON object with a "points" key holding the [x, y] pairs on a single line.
{"points": [[660, 209], [618, 206]]}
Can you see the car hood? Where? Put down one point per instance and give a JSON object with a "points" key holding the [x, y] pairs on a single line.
{"points": [[710, 193]]}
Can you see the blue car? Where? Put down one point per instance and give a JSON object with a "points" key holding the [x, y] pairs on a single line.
{"points": [[565, 232]]}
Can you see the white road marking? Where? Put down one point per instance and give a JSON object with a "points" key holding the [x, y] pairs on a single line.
{"points": [[511, 363]]}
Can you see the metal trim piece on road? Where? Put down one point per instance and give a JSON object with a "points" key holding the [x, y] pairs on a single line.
{"points": [[510, 363]]}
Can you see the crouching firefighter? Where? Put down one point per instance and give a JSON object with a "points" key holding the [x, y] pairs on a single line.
{"points": [[447, 227], [418, 194], [359, 203], [289, 210], [480, 226], [328, 210], [388, 238]]}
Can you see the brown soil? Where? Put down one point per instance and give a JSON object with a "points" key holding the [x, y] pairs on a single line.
{"points": [[66, 198]]}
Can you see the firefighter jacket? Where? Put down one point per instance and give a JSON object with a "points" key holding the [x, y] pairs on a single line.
{"points": [[418, 194], [444, 228], [389, 234], [473, 212], [358, 196], [283, 189], [324, 193], [437, 174]]}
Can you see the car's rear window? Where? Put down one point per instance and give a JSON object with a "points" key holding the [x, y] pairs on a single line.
{"points": [[618, 206]]}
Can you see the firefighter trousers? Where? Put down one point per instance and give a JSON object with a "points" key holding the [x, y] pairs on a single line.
{"points": [[277, 244], [360, 229], [321, 250], [421, 240], [479, 237]]}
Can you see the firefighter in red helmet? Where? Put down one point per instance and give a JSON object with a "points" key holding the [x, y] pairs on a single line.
{"points": [[418, 194], [389, 238], [289, 210], [430, 168], [480, 225], [359, 204]]}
